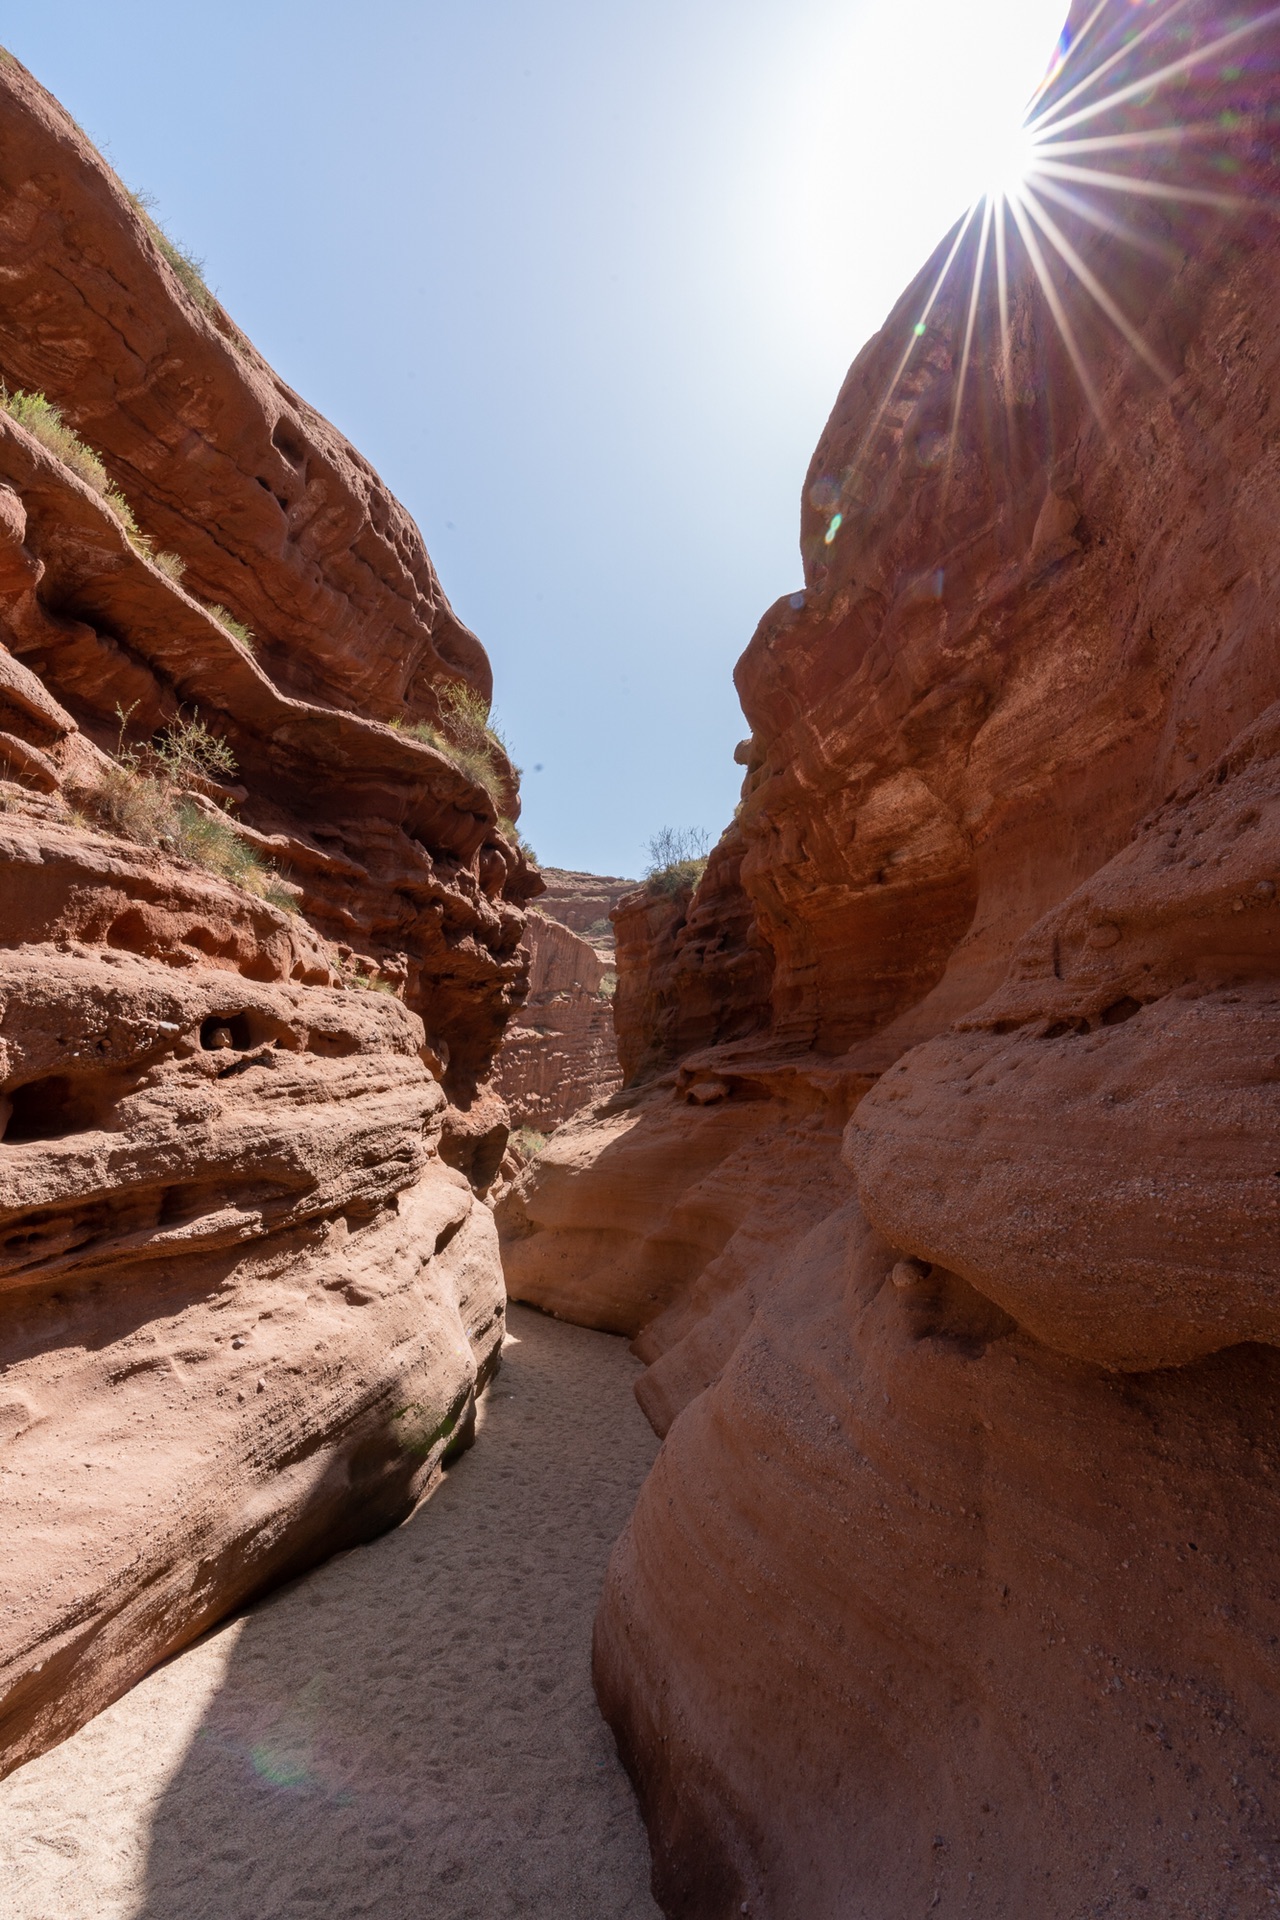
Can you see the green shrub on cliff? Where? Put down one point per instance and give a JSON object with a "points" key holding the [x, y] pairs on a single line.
{"points": [[677, 858], [44, 422], [141, 795], [185, 264], [236, 628], [465, 735]]}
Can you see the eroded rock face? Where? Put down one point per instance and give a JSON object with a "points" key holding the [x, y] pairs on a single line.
{"points": [[953, 1588], [275, 514], [561, 1055], [693, 968], [584, 902], [248, 1290]]}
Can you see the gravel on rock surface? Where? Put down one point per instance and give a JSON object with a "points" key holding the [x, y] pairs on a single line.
{"points": [[409, 1732]]}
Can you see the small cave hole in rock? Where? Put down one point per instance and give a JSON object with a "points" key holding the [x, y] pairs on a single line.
{"points": [[50, 1109], [331, 1045], [1121, 1010], [290, 443], [226, 1032]]}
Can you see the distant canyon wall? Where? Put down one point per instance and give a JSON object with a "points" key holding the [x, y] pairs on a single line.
{"points": [[942, 1198], [561, 1054]]}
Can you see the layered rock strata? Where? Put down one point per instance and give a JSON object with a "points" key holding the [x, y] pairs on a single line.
{"points": [[584, 902], [953, 1588], [561, 1054], [247, 1289]]}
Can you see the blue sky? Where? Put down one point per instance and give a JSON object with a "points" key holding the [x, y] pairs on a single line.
{"points": [[581, 278]]}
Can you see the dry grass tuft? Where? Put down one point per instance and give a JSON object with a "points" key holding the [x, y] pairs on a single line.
{"points": [[236, 628], [141, 797], [677, 858], [189, 269], [465, 734], [527, 1143], [45, 423]]}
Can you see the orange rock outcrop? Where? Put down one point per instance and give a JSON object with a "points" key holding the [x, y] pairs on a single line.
{"points": [[955, 1264], [248, 1290]]}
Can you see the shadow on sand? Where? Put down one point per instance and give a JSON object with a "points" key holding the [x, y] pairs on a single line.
{"points": [[410, 1730]]}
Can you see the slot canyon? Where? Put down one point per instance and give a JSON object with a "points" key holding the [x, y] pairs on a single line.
{"points": [[747, 1391]]}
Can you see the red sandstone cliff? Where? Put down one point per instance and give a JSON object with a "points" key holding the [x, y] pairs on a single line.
{"points": [[584, 902], [953, 1590], [561, 1055], [247, 1291]]}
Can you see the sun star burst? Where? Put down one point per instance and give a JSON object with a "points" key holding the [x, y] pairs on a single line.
{"points": [[1173, 107]]}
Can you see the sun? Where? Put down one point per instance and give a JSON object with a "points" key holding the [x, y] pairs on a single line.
{"points": [[1157, 109], [1008, 160]]}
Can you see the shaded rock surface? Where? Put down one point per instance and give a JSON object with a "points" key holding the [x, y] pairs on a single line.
{"points": [[247, 1289], [693, 968], [956, 1267]]}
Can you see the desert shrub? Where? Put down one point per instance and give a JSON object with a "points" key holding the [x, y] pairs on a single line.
{"points": [[236, 628], [510, 831], [373, 983], [464, 715], [188, 747], [170, 565], [185, 264], [44, 422], [528, 1142], [677, 858], [609, 984], [138, 808], [140, 796], [464, 735]]}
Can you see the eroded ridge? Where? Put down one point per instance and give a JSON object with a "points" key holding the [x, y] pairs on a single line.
{"points": [[260, 927]]}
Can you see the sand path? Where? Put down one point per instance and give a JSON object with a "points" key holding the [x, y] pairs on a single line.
{"points": [[409, 1732]]}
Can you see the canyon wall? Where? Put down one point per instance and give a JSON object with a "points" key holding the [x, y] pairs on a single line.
{"points": [[257, 951], [955, 1258], [584, 902], [561, 1055]]}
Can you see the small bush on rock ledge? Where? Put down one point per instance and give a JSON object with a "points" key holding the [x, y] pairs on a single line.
{"points": [[677, 858], [464, 735], [142, 796], [44, 422], [528, 1143]]}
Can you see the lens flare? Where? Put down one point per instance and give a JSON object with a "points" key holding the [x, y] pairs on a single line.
{"points": [[1172, 108], [1009, 158]]}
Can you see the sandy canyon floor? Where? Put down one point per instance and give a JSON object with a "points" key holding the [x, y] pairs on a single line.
{"points": [[408, 1731]]}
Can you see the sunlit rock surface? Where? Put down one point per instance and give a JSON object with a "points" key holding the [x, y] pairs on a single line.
{"points": [[953, 1588], [248, 1289]]}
